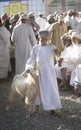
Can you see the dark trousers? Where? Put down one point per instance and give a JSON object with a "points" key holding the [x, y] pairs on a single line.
{"points": [[12, 62]]}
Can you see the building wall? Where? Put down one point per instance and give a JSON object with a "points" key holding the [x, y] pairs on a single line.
{"points": [[35, 6], [52, 6], [78, 5], [46, 5]]}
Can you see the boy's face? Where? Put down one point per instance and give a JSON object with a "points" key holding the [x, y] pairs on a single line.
{"points": [[43, 40]]}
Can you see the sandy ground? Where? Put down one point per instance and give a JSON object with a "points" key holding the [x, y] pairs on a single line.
{"points": [[15, 118]]}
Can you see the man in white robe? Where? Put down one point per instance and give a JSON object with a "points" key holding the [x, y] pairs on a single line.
{"points": [[34, 24], [24, 38], [4, 51], [71, 58], [42, 57], [68, 20], [75, 21], [62, 71], [50, 21], [41, 21]]}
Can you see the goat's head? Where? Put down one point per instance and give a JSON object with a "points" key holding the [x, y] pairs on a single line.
{"points": [[32, 70]]}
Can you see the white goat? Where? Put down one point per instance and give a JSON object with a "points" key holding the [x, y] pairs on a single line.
{"points": [[27, 86]]}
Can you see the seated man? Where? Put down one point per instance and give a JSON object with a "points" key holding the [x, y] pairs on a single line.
{"points": [[70, 57], [61, 64]]}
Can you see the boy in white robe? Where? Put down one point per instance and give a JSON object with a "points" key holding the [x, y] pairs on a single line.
{"points": [[42, 57]]}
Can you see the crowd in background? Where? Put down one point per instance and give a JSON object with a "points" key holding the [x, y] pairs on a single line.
{"points": [[19, 33]]}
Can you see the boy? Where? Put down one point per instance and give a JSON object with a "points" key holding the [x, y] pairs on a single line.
{"points": [[42, 57]]}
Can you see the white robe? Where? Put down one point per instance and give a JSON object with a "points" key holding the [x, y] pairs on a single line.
{"points": [[76, 75], [24, 38], [43, 57], [41, 22], [47, 26], [72, 57], [79, 30], [68, 21], [66, 54], [74, 23], [4, 52]]}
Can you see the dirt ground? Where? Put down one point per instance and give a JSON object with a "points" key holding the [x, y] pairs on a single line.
{"points": [[15, 118]]}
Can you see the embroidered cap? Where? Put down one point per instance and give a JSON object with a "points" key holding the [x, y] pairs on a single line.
{"points": [[43, 33]]}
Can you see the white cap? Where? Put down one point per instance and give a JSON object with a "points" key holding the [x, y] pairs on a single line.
{"points": [[66, 36], [31, 14], [60, 18], [50, 16], [41, 13], [71, 31], [70, 12], [12, 20], [24, 16], [76, 34]]}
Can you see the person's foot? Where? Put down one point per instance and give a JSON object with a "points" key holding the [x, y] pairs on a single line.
{"points": [[62, 84], [37, 108], [54, 113]]}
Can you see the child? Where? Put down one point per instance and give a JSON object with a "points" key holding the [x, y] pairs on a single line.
{"points": [[42, 57]]}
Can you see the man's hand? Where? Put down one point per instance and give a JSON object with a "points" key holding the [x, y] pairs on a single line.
{"points": [[60, 61]]}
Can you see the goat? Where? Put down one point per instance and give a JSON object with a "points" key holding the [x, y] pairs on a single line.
{"points": [[27, 86]]}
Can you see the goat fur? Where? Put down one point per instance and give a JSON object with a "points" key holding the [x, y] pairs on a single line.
{"points": [[26, 86]]}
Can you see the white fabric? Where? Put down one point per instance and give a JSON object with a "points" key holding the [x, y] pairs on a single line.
{"points": [[72, 57], [79, 30], [76, 34], [24, 38], [74, 23], [43, 57], [4, 52], [41, 22], [68, 21], [76, 75], [47, 26], [66, 54], [24, 16]]}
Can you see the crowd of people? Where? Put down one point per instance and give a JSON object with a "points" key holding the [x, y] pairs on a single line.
{"points": [[51, 43]]}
